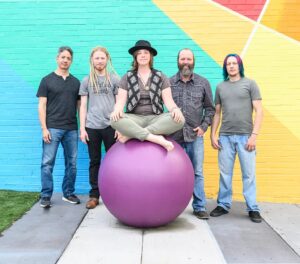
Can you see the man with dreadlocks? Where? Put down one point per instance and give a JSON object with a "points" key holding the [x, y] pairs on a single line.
{"points": [[98, 91], [236, 96]]}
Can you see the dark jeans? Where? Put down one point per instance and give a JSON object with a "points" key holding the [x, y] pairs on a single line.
{"points": [[96, 136]]}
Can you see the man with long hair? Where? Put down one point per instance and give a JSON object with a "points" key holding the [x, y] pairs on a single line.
{"points": [[236, 97], [58, 103], [98, 91], [192, 93]]}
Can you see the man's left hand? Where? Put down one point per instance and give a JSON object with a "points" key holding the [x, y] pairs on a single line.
{"points": [[199, 131]]}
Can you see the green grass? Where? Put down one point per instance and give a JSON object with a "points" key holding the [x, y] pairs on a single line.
{"points": [[13, 205]]}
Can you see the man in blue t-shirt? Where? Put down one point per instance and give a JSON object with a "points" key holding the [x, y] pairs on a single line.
{"points": [[236, 97], [58, 103]]}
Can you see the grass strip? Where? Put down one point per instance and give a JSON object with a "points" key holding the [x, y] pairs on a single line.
{"points": [[13, 205]]}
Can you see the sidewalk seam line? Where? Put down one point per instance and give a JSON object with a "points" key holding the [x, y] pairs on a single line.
{"points": [[83, 217], [143, 233], [277, 233]]}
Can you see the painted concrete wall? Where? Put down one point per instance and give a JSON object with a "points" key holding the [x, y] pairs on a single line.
{"points": [[265, 33]]}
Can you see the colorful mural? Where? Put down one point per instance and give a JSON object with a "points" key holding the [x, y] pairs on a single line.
{"points": [[265, 32]]}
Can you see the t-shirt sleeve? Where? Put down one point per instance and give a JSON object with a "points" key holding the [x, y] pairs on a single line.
{"points": [[217, 96], [165, 82], [83, 90], [254, 91], [43, 90], [123, 83]]}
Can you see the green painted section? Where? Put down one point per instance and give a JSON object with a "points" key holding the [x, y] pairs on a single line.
{"points": [[31, 32]]}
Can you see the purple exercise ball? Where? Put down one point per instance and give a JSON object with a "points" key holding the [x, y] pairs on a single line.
{"points": [[143, 185]]}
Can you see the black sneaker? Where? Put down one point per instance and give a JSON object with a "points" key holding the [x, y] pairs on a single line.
{"points": [[255, 216], [73, 199], [201, 214], [45, 202], [218, 211]]}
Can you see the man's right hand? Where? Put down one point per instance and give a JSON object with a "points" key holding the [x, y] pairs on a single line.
{"points": [[46, 136], [84, 137], [215, 143]]}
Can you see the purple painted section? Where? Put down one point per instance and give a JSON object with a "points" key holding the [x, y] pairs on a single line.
{"points": [[143, 185]]}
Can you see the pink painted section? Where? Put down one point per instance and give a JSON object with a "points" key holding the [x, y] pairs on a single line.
{"points": [[248, 8]]}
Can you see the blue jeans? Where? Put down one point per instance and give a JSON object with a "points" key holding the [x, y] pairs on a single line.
{"points": [[230, 146], [69, 141], [195, 151]]}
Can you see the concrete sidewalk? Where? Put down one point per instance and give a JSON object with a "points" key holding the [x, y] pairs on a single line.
{"points": [[42, 235], [65, 234]]}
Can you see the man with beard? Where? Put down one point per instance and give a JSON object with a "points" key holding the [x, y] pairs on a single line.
{"points": [[98, 91], [192, 93]]}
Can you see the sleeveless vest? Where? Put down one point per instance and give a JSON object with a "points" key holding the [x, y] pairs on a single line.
{"points": [[154, 91]]}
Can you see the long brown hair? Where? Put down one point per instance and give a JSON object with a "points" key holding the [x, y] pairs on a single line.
{"points": [[135, 64], [93, 76]]}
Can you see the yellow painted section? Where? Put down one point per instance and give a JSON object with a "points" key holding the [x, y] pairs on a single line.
{"points": [[278, 174], [214, 29], [274, 62], [283, 16]]}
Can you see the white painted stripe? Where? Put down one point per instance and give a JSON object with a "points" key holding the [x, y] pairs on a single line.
{"points": [[232, 12], [273, 31], [242, 17], [255, 28]]}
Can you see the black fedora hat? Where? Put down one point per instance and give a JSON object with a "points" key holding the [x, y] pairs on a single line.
{"points": [[142, 44]]}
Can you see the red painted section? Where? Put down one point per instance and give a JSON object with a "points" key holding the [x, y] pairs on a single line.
{"points": [[248, 8]]}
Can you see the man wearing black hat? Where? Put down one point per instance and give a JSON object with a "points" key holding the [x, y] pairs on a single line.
{"points": [[192, 93], [144, 90]]}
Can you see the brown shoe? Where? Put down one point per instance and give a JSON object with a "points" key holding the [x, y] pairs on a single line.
{"points": [[92, 203]]}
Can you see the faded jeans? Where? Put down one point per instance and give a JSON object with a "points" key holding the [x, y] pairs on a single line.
{"points": [[195, 151], [230, 146]]}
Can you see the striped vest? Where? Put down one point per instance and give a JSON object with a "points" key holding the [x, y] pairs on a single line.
{"points": [[154, 91]]}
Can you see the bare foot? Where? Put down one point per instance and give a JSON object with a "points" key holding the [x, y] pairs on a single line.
{"points": [[123, 139], [160, 140], [168, 145]]}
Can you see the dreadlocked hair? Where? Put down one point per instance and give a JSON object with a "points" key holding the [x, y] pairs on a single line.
{"points": [[93, 76]]}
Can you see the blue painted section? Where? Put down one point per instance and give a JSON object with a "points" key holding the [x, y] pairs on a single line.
{"points": [[20, 139], [42, 27]]}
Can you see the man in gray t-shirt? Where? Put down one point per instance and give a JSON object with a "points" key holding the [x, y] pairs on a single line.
{"points": [[98, 91], [235, 98]]}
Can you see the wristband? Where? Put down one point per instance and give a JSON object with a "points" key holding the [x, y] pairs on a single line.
{"points": [[254, 134]]}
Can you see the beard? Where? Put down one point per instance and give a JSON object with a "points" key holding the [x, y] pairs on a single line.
{"points": [[186, 69]]}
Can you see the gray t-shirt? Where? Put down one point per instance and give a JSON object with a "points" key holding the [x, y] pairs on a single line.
{"points": [[144, 106], [236, 99], [101, 104]]}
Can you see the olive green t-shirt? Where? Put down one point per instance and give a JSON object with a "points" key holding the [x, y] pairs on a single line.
{"points": [[236, 99]]}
